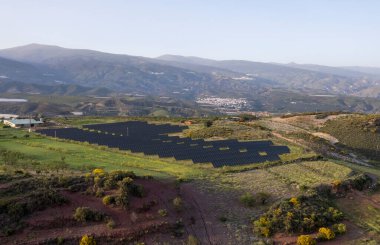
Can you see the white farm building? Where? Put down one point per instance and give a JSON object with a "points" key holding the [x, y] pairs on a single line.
{"points": [[23, 123]]}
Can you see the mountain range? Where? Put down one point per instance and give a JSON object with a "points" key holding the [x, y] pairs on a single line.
{"points": [[44, 69]]}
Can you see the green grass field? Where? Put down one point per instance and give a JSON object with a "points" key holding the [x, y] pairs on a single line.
{"points": [[311, 173], [356, 134], [49, 151]]}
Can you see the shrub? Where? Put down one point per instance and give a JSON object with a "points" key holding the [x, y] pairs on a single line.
{"points": [[339, 228], [87, 240], [125, 182], [136, 190], [223, 219], [120, 175], [108, 200], [42, 198], [294, 201], [178, 228], [361, 182], [99, 192], [122, 200], [178, 203], [111, 224], [208, 123], [301, 214], [60, 240], [84, 214], [325, 234], [248, 199], [77, 187], [98, 171], [323, 190], [163, 212], [192, 240], [263, 227], [306, 240], [110, 184], [263, 197]]}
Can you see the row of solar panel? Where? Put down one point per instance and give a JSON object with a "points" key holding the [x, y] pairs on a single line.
{"points": [[136, 127], [154, 143]]}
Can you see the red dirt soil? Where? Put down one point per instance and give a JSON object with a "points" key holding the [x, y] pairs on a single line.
{"points": [[58, 222]]}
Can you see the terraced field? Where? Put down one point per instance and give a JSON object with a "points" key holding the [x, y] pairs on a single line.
{"points": [[311, 173]]}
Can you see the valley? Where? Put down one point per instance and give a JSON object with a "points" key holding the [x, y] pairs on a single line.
{"points": [[309, 165]]}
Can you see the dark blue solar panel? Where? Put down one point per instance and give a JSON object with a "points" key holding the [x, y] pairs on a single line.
{"points": [[151, 139]]}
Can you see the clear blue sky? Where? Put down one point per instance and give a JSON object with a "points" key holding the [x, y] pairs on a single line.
{"points": [[330, 32]]}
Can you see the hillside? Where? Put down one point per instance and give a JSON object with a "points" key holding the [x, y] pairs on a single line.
{"points": [[63, 105], [360, 134], [11, 70], [307, 78], [179, 76], [52, 70], [125, 73]]}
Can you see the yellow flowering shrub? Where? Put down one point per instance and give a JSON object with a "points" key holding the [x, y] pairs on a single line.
{"points": [[306, 240], [326, 233], [294, 201], [98, 171], [87, 240]]}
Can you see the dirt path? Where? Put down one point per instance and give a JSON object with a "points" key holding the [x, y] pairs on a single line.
{"points": [[326, 152], [296, 142], [208, 229], [327, 137]]}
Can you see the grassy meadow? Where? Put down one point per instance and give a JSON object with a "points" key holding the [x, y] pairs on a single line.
{"points": [[44, 151]]}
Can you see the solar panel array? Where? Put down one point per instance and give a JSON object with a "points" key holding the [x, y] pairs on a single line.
{"points": [[152, 139]]}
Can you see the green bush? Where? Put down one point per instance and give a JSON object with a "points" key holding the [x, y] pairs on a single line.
{"points": [[223, 218], [109, 200], [339, 228], [99, 192], [44, 198], [110, 184], [262, 197], [136, 190], [248, 199], [361, 182], [178, 203], [122, 200], [192, 240], [162, 212], [85, 214], [301, 214], [60, 240], [111, 224]]}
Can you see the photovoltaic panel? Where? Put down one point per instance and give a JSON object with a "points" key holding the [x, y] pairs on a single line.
{"points": [[154, 139]]}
